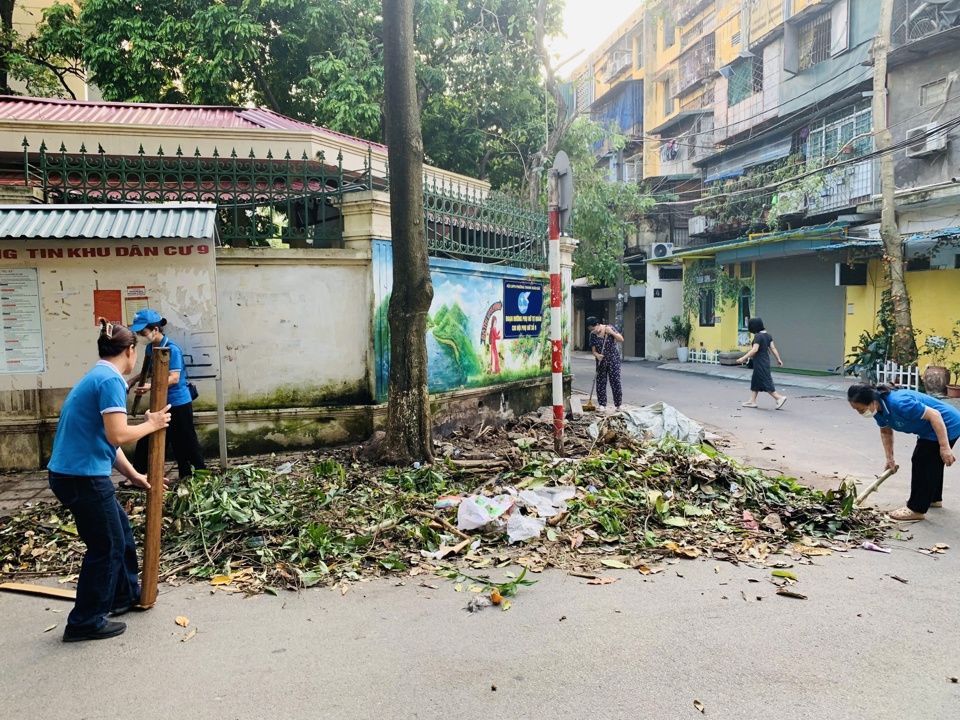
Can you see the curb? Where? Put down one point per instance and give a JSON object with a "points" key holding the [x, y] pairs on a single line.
{"points": [[744, 376]]}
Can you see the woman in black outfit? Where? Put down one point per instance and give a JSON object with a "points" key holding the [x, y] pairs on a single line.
{"points": [[762, 380]]}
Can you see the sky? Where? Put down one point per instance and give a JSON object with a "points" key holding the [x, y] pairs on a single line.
{"points": [[587, 23]]}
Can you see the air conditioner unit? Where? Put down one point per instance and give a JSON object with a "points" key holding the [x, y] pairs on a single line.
{"points": [[661, 250], [698, 225], [928, 145]]}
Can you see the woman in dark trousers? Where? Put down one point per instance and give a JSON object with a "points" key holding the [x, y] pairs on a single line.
{"points": [[762, 380], [603, 344], [90, 431], [181, 434], [937, 427]]}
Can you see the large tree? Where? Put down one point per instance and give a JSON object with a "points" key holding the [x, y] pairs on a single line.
{"points": [[479, 84], [605, 212], [409, 435]]}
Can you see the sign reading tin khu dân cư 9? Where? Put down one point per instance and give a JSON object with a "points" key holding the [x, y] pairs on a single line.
{"points": [[522, 308]]}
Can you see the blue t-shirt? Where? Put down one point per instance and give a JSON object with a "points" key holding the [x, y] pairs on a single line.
{"points": [[80, 446], [903, 410], [176, 394]]}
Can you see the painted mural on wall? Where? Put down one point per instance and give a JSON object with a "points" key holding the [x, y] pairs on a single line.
{"points": [[487, 324]]}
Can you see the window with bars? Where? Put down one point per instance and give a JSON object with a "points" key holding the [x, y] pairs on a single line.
{"points": [[584, 93], [828, 136], [667, 87], [813, 41], [746, 80]]}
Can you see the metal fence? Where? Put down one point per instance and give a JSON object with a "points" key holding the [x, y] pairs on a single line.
{"points": [[470, 225], [279, 202], [261, 201]]}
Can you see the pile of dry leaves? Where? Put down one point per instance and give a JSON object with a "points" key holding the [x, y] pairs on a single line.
{"points": [[314, 518]]}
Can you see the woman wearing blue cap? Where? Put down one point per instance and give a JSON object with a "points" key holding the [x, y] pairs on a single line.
{"points": [[183, 437], [91, 429]]}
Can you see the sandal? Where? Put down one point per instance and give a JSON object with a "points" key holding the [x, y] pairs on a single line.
{"points": [[905, 514], [938, 504]]}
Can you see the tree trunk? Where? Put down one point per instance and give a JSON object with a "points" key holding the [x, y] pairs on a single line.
{"points": [[904, 343], [409, 435], [6, 36]]}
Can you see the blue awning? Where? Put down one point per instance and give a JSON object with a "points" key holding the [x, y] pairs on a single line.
{"points": [[934, 234]]}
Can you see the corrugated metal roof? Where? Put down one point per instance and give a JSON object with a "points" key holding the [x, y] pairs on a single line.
{"points": [[208, 116], [103, 222]]}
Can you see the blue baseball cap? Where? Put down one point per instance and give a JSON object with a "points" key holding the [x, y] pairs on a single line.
{"points": [[145, 317]]}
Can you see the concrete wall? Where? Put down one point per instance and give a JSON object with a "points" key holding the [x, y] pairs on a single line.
{"points": [[934, 304], [659, 310], [296, 326], [906, 111]]}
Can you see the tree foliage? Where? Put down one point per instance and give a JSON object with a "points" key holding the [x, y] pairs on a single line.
{"points": [[605, 213], [479, 83]]}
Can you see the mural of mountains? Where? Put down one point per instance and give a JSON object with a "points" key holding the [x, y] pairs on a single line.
{"points": [[451, 330]]}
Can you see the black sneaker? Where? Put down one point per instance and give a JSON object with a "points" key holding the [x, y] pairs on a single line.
{"points": [[107, 630], [124, 609]]}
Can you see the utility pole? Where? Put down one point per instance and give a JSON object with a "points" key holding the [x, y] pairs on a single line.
{"points": [[905, 345]]}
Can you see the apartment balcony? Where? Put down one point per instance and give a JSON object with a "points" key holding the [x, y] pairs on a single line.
{"points": [[914, 20], [686, 9], [697, 64]]}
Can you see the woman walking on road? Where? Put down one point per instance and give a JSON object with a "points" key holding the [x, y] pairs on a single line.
{"points": [[937, 427], [603, 344], [91, 429], [762, 380], [182, 434]]}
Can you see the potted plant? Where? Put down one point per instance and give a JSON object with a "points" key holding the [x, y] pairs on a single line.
{"points": [[953, 391], [936, 375], [678, 331]]}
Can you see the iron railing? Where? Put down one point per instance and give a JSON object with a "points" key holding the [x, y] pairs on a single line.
{"points": [[261, 202], [269, 201], [470, 225]]}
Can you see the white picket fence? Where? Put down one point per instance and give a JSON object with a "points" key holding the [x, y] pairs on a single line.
{"points": [[903, 376], [708, 357]]}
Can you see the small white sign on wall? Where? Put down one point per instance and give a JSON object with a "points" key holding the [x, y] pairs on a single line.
{"points": [[21, 332]]}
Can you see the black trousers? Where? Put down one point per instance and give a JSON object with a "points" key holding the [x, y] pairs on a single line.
{"points": [[926, 482], [182, 436]]}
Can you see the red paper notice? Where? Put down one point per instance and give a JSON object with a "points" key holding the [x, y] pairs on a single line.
{"points": [[107, 304]]}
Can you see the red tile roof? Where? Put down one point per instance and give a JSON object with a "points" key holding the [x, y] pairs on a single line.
{"points": [[206, 116]]}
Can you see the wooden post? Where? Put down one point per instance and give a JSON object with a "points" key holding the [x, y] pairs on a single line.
{"points": [[155, 460]]}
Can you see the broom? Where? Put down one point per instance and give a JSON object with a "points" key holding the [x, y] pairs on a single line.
{"points": [[588, 406]]}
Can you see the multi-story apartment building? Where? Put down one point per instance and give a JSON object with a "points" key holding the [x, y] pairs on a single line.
{"points": [[758, 120]]}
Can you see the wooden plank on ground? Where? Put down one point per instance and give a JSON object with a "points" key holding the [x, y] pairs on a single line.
{"points": [[39, 590]]}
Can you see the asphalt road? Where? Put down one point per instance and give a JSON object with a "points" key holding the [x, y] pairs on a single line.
{"points": [[815, 437], [863, 645]]}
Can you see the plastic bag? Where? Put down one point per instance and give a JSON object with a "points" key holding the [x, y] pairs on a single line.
{"points": [[523, 527], [548, 501], [656, 422], [478, 510]]}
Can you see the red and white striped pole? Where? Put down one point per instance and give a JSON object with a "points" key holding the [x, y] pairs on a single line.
{"points": [[556, 298]]}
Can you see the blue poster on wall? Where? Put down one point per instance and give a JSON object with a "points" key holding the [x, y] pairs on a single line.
{"points": [[522, 308]]}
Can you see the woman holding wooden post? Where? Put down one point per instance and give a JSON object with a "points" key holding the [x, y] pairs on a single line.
{"points": [[149, 324], [91, 429]]}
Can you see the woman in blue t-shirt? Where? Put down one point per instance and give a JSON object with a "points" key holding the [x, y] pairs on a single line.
{"points": [[937, 427], [91, 429], [182, 435]]}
